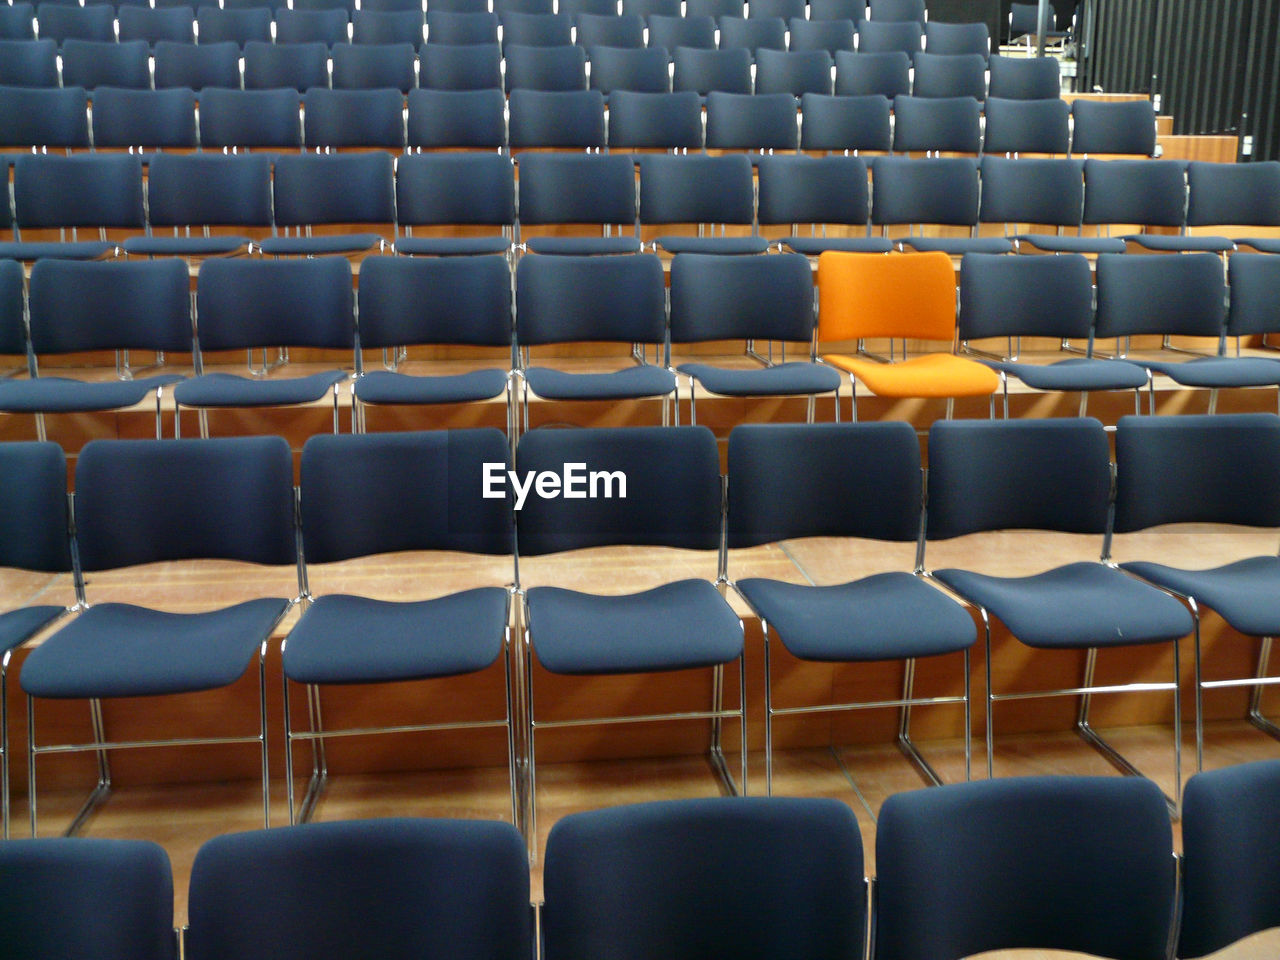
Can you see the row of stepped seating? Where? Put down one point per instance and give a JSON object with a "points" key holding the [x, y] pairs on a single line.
{"points": [[596, 195], [142, 501], [1080, 864]]}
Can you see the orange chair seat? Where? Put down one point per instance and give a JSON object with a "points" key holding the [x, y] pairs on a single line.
{"points": [[926, 375]]}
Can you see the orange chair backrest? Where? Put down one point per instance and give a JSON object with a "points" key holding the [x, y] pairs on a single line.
{"points": [[867, 295]]}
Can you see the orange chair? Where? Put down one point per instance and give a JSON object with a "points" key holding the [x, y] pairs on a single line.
{"points": [[898, 296]]}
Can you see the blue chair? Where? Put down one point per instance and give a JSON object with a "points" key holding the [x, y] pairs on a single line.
{"points": [[362, 888], [848, 124], [144, 119], [174, 24], [311, 26], [956, 866], [782, 9], [346, 6], [604, 299], [664, 121], [1049, 475], [17, 22], [673, 499], [940, 190], [873, 74], [372, 66], [1040, 192], [1122, 127], [391, 6], [576, 9], [1198, 469], [829, 35], [405, 477], [248, 304], [318, 189], [1016, 297], [749, 299], [545, 68], [1228, 836], [354, 118], [471, 189], [504, 7], [464, 29], [143, 501], [768, 33], [702, 71], [104, 898], [457, 118], [1255, 283], [611, 30], [886, 36], [29, 63], [1025, 78], [669, 32], [197, 66], [44, 117], [950, 75], [851, 10], [715, 9], [817, 191], [571, 119], [297, 65], [250, 118], [944, 124], [796, 72], [1024, 23], [957, 38], [621, 68], [462, 6], [790, 869], [460, 67], [761, 122], [1026, 126], [95, 63], [700, 190], [536, 30], [381, 27], [1148, 193], [648, 8], [61, 22], [1242, 195], [407, 301], [590, 189], [239, 26], [898, 11], [33, 536]]}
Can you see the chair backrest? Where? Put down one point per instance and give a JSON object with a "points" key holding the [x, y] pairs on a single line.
{"points": [[881, 36], [935, 190], [870, 295], [556, 118], [363, 889], [152, 25], [86, 305], [761, 121], [1229, 837], [783, 9], [17, 22], [620, 68], [796, 72], [244, 303], [670, 32], [696, 189], [1234, 193], [845, 122], [102, 190], [216, 25], [829, 35], [609, 30], [372, 493], [545, 68], [297, 65], [452, 188], [576, 9], [144, 118], [1125, 126], [536, 30], [460, 67], [311, 26], [786, 875], [577, 188], [457, 118], [667, 121], [1030, 78], [950, 75], [1018, 475], [354, 118], [1038, 191], [1158, 293], [334, 188], [943, 124], [411, 300], [33, 526], [788, 481], [197, 65], [99, 63], [13, 321], [65, 897], [957, 38], [1071, 863], [646, 8], [143, 501], [370, 66], [504, 7], [898, 11], [655, 486], [755, 34], [705, 70], [43, 117], [805, 189], [61, 22], [29, 63], [1198, 469], [1026, 126], [388, 26], [1004, 296], [852, 10], [741, 298], [714, 8], [566, 298], [208, 189], [446, 26], [250, 118], [1255, 294], [1147, 192]]}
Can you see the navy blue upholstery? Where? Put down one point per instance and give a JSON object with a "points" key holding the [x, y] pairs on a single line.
{"points": [[649, 120], [898, 11], [845, 122], [457, 27], [29, 63], [1026, 126], [369, 66], [239, 26], [556, 118], [714, 8], [33, 528], [576, 9], [1255, 287], [837, 10], [829, 35], [296, 65], [699, 189], [938, 190], [634, 881], [17, 22], [153, 25], [702, 70], [783, 9], [53, 117], [579, 188], [889, 36], [1229, 193], [761, 121], [1228, 838], [1070, 863], [669, 32], [813, 190], [1135, 191], [362, 889], [638, 69], [457, 118], [1033, 191], [1114, 127], [609, 30], [355, 118], [144, 118], [61, 22], [331, 188], [559, 68], [13, 324], [951, 75], [79, 191], [381, 27], [250, 118], [1031, 78], [944, 124], [536, 30], [957, 38], [454, 188], [311, 26], [18, 626], [1157, 293], [757, 33], [460, 67], [86, 897]]}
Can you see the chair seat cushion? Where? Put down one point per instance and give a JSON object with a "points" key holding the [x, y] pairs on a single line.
{"points": [[230, 390], [675, 626], [53, 250], [318, 246], [723, 245], [346, 639], [17, 626], [583, 246], [121, 650], [64, 395], [1211, 372], [1246, 593], [927, 375], [1075, 373], [1177, 243], [1052, 243], [889, 616], [384, 386], [1261, 244], [452, 246], [185, 246], [957, 246], [781, 380], [812, 246], [630, 383], [1076, 606]]}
